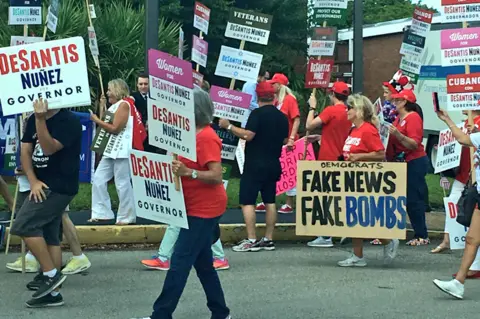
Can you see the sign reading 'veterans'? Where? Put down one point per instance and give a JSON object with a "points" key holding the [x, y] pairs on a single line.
{"points": [[318, 73], [249, 26], [199, 51], [238, 64], [460, 46], [171, 117], [25, 12], [229, 142], [460, 10], [351, 199], [463, 92], [201, 18], [154, 189], [323, 42], [53, 70], [230, 104]]}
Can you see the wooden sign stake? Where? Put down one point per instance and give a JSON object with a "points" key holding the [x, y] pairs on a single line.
{"points": [[232, 82]]}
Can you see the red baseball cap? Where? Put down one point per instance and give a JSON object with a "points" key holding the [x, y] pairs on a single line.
{"points": [[279, 78], [265, 89], [340, 87], [405, 95]]}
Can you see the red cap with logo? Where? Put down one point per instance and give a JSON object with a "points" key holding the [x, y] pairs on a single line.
{"points": [[279, 78], [340, 88], [265, 89], [405, 95]]}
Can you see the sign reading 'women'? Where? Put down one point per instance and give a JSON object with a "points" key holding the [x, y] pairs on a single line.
{"points": [[357, 200], [53, 70]]}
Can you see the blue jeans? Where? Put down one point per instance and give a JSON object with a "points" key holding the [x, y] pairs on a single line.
{"points": [[416, 186], [193, 248]]}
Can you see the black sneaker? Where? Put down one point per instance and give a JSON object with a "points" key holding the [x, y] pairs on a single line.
{"points": [[36, 282], [49, 284], [263, 244], [46, 301]]}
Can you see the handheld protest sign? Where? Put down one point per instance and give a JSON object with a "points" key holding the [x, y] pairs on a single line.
{"points": [[201, 18], [288, 162], [352, 199], [329, 35], [53, 70], [154, 189], [449, 151], [22, 12], [171, 117], [249, 26], [230, 104], [457, 232]]}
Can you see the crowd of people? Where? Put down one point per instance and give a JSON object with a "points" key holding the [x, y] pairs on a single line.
{"points": [[48, 179]]}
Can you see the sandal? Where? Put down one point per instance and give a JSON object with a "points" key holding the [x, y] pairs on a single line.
{"points": [[439, 249], [376, 242], [418, 242]]}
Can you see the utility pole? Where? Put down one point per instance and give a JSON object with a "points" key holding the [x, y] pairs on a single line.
{"points": [[358, 46], [152, 8]]}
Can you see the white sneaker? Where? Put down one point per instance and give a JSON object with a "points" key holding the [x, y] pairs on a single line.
{"points": [[353, 261], [321, 242], [390, 251], [453, 287]]}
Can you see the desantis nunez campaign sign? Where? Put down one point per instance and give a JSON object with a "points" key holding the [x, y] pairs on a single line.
{"points": [[356, 200], [154, 189], [53, 70]]}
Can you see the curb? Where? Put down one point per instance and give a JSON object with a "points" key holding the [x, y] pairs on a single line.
{"points": [[153, 234]]}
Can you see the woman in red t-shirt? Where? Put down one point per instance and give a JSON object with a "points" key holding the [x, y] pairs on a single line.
{"points": [[364, 144], [205, 202], [405, 144]]}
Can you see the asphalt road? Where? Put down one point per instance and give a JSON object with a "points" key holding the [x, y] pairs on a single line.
{"points": [[292, 282]]}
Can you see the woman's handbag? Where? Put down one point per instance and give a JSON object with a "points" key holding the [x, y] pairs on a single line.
{"points": [[467, 204]]}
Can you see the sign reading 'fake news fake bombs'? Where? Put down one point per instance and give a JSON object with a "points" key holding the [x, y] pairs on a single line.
{"points": [[356, 200]]}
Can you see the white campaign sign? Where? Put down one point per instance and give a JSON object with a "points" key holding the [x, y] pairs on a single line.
{"points": [[171, 94], [53, 70], [19, 40], [172, 129], [238, 64], [154, 189], [449, 151], [321, 48], [384, 132], [92, 41], [335, 4], [456, 231], [240, 154]]}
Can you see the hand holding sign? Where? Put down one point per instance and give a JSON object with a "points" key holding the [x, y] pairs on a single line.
{"points": [[223, 123], [40, 107], [179, 169], [393, 130], [443, 115]]}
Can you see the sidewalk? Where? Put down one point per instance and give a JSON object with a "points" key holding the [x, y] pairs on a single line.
{"points": [[232, 226]]}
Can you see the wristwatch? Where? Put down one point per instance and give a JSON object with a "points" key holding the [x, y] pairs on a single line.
{"points": [[229, 128], [194, 174]]}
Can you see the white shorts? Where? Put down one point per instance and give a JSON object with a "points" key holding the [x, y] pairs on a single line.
{"points": [[292, 192]]}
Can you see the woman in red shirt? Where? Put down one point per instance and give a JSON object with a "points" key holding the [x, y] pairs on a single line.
{"points": [[205, 202], [406, 135], [364, 144]]}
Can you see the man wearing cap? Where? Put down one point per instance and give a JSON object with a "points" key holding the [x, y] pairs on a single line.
{"points": [[335, 129], [266, 132], [286, 102]]}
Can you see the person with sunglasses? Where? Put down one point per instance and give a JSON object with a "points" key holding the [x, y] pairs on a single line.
{"points": [[363, 144], [406, 135]]}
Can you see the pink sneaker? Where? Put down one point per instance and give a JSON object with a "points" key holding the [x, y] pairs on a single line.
{"points": [[285, 209], [219, 264], [261, 208], [156, 263]]}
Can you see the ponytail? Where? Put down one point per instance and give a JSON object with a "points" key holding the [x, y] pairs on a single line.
{"points": [[414, 107], [284, 91]]}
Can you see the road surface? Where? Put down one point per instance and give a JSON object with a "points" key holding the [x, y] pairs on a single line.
{"points": [[292, 282]]}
